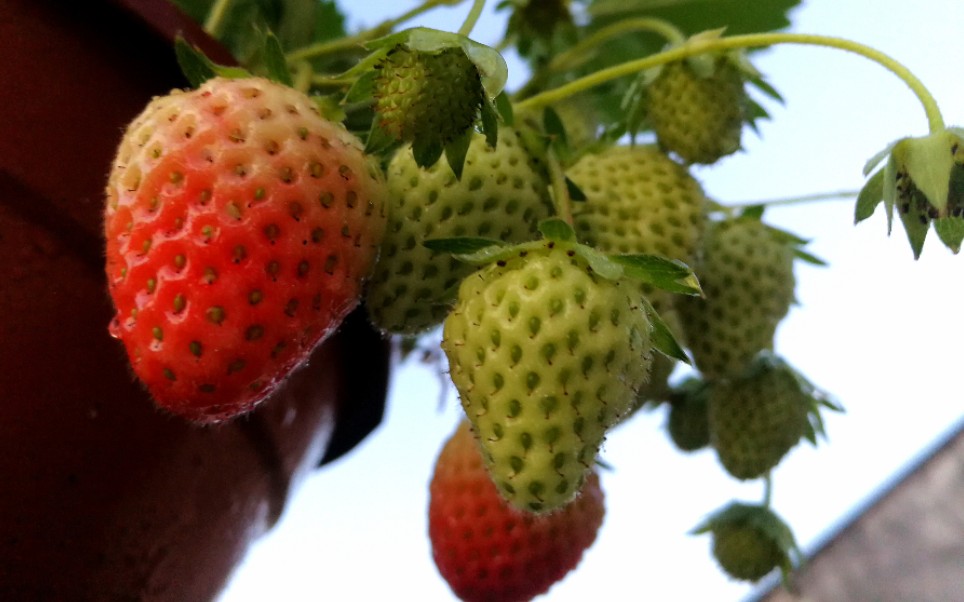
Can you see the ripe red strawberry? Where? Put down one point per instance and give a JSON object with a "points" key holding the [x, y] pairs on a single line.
{"points": [[240, 225], [489, 551]]}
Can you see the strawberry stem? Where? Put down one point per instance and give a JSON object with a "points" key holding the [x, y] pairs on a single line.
{"points": [[212, 24], [767, 490], [797, 200], [560, 192], [699, 46], [355, 42], [472, 18]]}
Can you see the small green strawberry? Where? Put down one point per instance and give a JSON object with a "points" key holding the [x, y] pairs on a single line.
{"points": [[546, 355], [422, 95], [756, 418], [502, 195], [688, 422], [749, 541], [487, 550], [746, 271]]}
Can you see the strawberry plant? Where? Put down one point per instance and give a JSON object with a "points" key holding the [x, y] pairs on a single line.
{"points": [[551, 240]]}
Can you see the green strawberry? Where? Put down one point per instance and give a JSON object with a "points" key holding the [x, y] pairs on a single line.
{"points": [[688, 422], [546, 355], [503, 194], [749, 541], [423, 96], [641, 201], [697, 109], [746, 271], [756, 418]]}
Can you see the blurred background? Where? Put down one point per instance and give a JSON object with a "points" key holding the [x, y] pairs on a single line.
{"points": [[877, 330]]}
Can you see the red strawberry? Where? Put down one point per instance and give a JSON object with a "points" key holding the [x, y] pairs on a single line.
{"points": [[240, 225], [489, 551]]}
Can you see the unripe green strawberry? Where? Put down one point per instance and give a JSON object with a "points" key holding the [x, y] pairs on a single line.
{"points": [[749, 541], [639, 201], [688, 422], [423, 95], [746, 271], [756, 418], [503, 194], [699, 117], [239, 228], [546, 356], [486, 549]]}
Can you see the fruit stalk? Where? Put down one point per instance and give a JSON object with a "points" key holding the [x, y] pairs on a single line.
{"points": [[472, 18], [212, 24], [701, 46]]}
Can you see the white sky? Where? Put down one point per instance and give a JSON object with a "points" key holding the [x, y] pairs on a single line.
{"points": [[876, 329]]}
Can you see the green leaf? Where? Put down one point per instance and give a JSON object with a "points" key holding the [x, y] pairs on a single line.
{"points": [[456, 150], [753, 211], [461, 245], [275, 64], [668, 274], [870, 196], [557, 229]]}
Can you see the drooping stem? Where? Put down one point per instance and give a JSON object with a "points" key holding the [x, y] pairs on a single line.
{"points": [[767, 490], [472, 18], [797, 200], [355, 41], [703, 45], [212, 24], [302, 76]]}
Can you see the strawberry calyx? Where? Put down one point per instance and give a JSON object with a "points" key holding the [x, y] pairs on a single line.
{"points": [[924, 179]]}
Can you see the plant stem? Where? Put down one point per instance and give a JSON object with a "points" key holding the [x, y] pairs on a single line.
{"points": [[798, 200], [472, 18], [216, 17], [700, 46], [560, 192], [767, 490], [353, 42], [302, 76], [581, 51]]}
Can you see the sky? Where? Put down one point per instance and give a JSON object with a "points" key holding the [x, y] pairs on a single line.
{"points": [[876, 329]]}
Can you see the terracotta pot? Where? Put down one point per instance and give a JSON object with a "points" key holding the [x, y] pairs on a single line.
{"points": [[103, 497]]}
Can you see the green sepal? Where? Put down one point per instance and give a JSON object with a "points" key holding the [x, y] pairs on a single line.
{"points": [[463, 245], [497, 252], [456, 151], [600, 263], [557, 229], [870, 197], [503, 106], [575, 193], [668, 274], [426, 152], [951, 232], [915, 228], [489, 117], [753, 211], [809, 258], [663, 338], [379, 141], [362, 90], [329, 107], [198, 68], [275, 64]]}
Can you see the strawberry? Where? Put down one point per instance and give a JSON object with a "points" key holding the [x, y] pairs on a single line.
{"points": [[746, 271], [749, 541], [240, 226], [487, 550], [756, 418], [638, 200], [503, 194], [697, 107], [688, 422], [546, 355], [422, 96]]}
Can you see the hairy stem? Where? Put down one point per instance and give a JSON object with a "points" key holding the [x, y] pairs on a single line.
{"points": [[472, 18], [212, 24]]}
